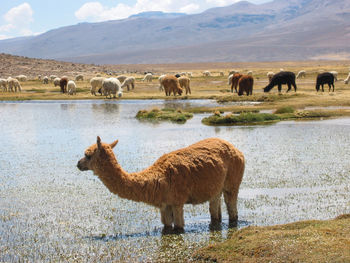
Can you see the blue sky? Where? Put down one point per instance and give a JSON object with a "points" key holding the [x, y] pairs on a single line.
{"points": [[31, 17]]}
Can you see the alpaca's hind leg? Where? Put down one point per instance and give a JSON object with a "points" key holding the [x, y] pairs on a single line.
{"points": [[231, 204], [179, 222], [166, 214], [215, 210]]}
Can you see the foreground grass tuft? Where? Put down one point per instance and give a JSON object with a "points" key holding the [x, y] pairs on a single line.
{"points": [[170, 114], [306, 241]]}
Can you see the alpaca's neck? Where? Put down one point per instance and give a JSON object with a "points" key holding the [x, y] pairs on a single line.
{"points": [[132, 186]]}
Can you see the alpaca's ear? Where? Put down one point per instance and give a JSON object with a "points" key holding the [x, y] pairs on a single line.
{"points": [[113, 144], [99, 142]]}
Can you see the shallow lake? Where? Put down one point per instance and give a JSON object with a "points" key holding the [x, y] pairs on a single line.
{"points": [[50, 211]]}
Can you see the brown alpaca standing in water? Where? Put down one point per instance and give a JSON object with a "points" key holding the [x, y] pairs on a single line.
{"points": [[198, 173]]}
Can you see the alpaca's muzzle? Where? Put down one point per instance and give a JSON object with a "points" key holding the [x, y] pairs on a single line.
{"points": [[81, 167]]}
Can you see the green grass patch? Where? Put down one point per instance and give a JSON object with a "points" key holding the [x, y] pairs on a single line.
{"points": [[241, 119], [37, 90], [251, 118], [284, 109], [168, 114]]}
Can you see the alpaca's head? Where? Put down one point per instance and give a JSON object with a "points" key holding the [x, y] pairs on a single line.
{"points": [[95, 155]]}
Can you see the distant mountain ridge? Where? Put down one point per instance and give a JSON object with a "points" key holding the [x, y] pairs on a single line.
{"points": [[157, 14], [278, 30]]}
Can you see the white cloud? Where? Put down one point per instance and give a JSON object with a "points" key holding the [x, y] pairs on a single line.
{"points": [[18, 21], [221, 2], [19, 15], [6, 28], [2, 37], [190, 8], [95, 11]]}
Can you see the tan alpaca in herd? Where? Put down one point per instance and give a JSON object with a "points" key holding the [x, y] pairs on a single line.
{"points": [[196, 174]]}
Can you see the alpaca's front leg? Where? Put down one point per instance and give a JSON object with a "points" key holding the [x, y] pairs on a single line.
{"points": [[179, 222], [166, 214]]}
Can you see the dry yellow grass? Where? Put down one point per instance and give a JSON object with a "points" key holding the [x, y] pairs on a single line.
{"points": [[306, 241]]}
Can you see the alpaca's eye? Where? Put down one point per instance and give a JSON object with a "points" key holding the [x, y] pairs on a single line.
{"points": [[87, 156]]}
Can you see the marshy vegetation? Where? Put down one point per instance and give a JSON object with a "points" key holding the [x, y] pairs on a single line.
{"points": [[168, 114], [281, 114]]}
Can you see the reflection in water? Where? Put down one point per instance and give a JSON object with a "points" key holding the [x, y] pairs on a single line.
{"points": [[49, 209], [67, 106], [107, 108]]}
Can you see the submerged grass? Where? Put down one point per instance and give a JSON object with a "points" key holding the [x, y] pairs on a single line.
{"points": [[305, 241], [170, 114]]}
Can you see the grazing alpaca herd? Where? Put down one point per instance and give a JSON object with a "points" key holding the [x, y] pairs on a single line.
{"points": [[176, 84]]}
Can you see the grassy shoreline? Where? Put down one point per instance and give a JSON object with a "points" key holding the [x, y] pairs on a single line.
{"points": [[304, 241]]}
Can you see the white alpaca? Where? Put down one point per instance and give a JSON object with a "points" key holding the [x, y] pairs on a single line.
{"points": [[206, 73], [232, 72], [79, 77], [148, 77], [230, 79], [96, 84], [301, 74], [189, 74], [52, 77], [122, 78], [335, 74], [281, 69], [71, 87], [14, 85], [3, 84], [270, 75], [56, 82], [346, 81], [22, 78], [46, 80], [130, 81], [161, 88], [112, 86]]}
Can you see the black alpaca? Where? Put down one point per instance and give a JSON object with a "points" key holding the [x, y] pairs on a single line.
{"points": [[63, 84], [283, 77], [325, 78]]}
